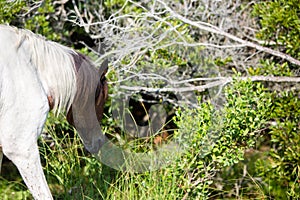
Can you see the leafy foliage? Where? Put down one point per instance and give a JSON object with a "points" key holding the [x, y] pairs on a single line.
{"points": [[9, 10], [215, 140], [41, 21], [279, 20], [281, 166]]}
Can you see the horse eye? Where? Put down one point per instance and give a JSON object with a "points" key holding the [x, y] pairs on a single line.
{"points": [[103, 78]]}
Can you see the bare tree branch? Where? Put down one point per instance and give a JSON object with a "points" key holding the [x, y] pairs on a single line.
{"points": [[216, 82], [200, 88], [213, 29]]}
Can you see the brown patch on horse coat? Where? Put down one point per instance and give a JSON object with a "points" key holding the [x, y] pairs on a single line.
{"points": [[50, 101]]}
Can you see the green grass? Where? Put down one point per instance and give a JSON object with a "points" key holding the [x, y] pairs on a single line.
{"points": [[73, 173], [10, 190]]}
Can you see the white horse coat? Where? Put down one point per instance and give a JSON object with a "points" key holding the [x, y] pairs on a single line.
{"points": [[35, 76]]}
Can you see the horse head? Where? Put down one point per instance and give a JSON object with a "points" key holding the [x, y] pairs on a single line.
{"points": [[87, 108]]}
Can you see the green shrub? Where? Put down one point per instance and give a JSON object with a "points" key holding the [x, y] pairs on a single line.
{"points": [[214, 140], [280, 23], [280, 168]]}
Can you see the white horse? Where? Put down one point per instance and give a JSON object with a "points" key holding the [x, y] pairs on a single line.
{"points": [[36, 76]]}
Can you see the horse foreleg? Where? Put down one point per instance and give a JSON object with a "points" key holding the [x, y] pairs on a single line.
{"points": [[19, 144], [32, 173], [29, 166], [25, 155]]}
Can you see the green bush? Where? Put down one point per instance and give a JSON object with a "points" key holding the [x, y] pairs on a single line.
{"points": [[214, 140], [280, 167], [280, 23]]}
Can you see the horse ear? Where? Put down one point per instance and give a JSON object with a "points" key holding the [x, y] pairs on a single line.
{"points": [[102, 85], [104, 66], [103, 69]]}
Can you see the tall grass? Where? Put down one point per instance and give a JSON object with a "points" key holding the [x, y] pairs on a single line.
{"points": [[72, 173]]}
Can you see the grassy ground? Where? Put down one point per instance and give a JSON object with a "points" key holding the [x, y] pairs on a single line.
{"points": [[71, 176], [72, 173], [74, 176]]}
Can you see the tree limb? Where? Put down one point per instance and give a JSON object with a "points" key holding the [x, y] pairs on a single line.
{"points": [[214, 83]]}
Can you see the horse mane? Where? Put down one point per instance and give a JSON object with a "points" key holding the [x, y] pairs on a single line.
{"points": [[64, 74], [55, 67]]}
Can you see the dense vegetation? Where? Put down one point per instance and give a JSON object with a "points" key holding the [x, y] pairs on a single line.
{"points": [[249, 148]]}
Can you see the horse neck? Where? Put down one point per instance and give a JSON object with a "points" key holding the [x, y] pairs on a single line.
{"points": [[55, 68]]}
